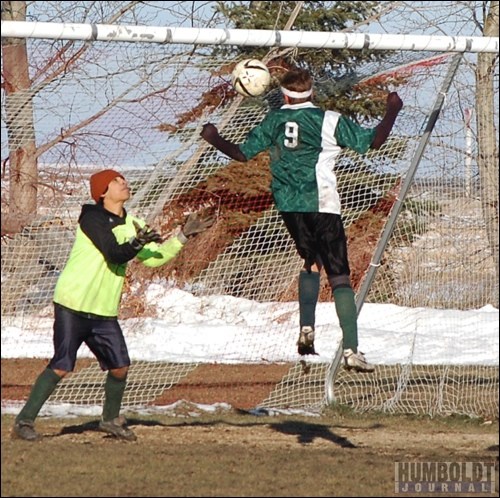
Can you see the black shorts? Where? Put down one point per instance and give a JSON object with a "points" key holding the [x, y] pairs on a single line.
{"points": [[320, 237], [104, 337]]}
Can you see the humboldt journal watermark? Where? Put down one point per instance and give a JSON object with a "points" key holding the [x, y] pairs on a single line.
{"points": [[444, 477]]}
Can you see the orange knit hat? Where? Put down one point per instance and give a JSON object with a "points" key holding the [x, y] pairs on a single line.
{"points": [[99, 182]]}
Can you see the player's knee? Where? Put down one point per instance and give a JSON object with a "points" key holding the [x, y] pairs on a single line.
{"points": [[338, 281], [119, 373], [60, 373]]}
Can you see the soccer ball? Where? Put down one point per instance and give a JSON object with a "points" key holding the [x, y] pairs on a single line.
{"points": [[251, 78]]}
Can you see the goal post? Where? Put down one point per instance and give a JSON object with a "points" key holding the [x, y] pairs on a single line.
{"points": [[147, 125], [247, 37]]}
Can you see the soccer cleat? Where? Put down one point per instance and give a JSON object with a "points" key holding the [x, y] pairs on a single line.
{"points": [[117, 428], [306, 341], [25, 429], [356, 361]]}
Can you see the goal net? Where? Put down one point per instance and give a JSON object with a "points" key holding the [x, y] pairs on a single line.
{"points": [[418, 238]]}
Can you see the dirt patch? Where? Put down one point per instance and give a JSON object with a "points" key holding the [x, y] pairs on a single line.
{"points": [[241, 386], [19, 374]]}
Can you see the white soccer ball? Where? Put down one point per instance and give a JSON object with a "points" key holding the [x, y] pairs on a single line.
{"points": [[251, 77]]}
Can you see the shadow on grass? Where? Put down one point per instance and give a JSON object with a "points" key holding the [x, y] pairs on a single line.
{"points": [[306, 433], [93, 426]]}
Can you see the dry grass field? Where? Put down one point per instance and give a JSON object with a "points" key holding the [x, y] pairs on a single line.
{"points": [[237, 454], [231, 453]]}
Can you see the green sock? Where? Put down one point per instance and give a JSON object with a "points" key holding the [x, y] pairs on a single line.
{"points": [[42, 388], [113, 392], [308, 297], [345, 305]]}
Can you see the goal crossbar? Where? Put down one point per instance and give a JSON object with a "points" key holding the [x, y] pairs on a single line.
{"points": [[248, 37]]}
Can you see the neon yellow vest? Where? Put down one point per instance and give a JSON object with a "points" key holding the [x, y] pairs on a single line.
{"points": [[90, 284]]}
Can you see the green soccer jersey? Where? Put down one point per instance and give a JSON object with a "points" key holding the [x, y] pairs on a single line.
{"points": [[303, 142]]}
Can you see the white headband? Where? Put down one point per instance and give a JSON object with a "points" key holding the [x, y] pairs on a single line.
{"points": [[297, 95]]}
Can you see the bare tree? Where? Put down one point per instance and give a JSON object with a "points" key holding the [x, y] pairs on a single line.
{"points": [[23, 174], [25, 77], [487, 134]]}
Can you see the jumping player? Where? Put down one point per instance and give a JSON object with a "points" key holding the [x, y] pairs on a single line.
{"points": [[303, 142]]}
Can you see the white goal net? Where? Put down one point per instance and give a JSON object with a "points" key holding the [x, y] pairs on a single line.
{"points": [[140, 110]]}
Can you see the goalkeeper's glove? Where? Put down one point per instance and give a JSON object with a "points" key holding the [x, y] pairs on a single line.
{"points": [[144, 235], [195, 224]]}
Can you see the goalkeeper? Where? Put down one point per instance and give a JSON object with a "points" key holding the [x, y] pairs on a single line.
{"points": [[88, 293], [303, 142]]}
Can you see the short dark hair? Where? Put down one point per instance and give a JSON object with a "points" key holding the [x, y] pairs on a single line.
{"points": [[297, 80]]}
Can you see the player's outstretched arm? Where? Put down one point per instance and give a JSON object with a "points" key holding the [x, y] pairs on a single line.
{"points": [[383, 129], [211, 135]]}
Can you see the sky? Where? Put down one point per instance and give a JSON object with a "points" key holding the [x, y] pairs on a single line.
{"points": [[226, 329]]}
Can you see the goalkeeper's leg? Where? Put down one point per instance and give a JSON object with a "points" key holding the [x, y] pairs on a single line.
{"points": [[24, 426], [112, 423]]}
